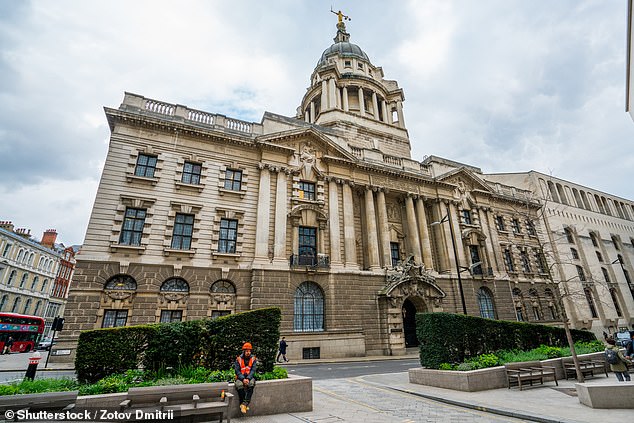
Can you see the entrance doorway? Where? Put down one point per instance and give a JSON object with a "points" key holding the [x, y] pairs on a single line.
{"points": [[409, 324]]}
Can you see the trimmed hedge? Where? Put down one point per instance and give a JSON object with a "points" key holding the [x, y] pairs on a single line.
{"points": [[456, 338], [211, 343]]}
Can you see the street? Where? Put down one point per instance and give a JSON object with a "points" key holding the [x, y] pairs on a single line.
{"points": [[322, 371], [13, 367]]}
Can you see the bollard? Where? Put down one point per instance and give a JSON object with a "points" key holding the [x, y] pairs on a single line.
{"points": [[34, 360]]}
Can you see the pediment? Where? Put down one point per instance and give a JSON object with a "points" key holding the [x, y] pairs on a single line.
{"points": [[465, 183], [298, 139]]}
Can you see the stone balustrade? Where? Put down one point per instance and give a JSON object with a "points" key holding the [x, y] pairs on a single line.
{"points": [[198, 117]]}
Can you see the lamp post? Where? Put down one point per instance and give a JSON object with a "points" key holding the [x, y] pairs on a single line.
{"points": [[447, 218]]}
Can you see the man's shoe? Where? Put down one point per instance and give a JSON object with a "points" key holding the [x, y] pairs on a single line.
{"points": [[243, 408]]}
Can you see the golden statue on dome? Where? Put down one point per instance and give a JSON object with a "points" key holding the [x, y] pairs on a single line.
{"points": [[340, 15]]}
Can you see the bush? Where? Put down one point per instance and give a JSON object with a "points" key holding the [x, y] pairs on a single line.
{"points": [[455, 338], [486, 360], [213, 344], [549, 352], [446, 366]]}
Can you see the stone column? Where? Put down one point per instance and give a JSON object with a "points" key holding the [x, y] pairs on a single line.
{"points": [[345, 99], [384, 108], [451, 208], [389, 115], [375, 106], [312, 112], [333, 223], [324, 96], [373, 241], [339, 101], [384, 229], [423, 231], [281, 209], [350, 241], [263, 215], [399, 112], [307, 116], [492, 241], [412, 229], [332, 95], [361, 102]]}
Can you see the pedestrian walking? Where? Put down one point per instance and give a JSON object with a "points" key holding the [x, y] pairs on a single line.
{"points": [[629, 347], [617, 361], [244, 368], [8, 345], [282, 351]]}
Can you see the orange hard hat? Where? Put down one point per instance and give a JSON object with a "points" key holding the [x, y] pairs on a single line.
{"points": [[247, 346]]}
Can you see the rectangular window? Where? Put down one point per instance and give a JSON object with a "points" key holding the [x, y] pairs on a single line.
{"points": [[574, 253], [183, 229], [499, 222], [516, 226], [541, 262], [590, 301], [191, 173], [307, 246], [599, 257], [466, 217], [168, 316], [114, 318], [219, 313], [233, 179], [395, 253], [508, 261], [606, 276], [307, 190], [312, 353], [615, 301], [615, 241], [145, 166], [474, 252], [132, 228], [228, 236]]}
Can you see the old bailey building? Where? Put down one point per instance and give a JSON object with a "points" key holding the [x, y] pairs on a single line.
{"points": [[324, 214]]}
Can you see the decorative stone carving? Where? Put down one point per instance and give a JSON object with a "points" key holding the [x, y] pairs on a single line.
{"points": [[179, 297], [411, 279]]}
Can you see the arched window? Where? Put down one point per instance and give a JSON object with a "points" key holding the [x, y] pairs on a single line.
{"points": [[223, 286], [3, 302], [121, 282], [27, 306], [20, 254], [485, 300], [309, 308], [590, 301], [34, 283], [37, 307], [16, 304], [44, 285], [11, 277], [175, 285], [25, 276]]}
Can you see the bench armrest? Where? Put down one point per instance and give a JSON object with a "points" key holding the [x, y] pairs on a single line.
{"points": [[124, 403], [512, 371], [228, 397], [195, 399]]}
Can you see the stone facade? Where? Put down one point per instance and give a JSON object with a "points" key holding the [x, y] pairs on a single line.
{"points": [[323, 214], [590, 237]]}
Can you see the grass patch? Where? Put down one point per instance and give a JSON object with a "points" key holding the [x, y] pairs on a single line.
{"points": [[133, 378]]}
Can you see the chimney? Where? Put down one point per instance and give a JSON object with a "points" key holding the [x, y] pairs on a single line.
{"points": [[23, 232], [7, 225], [49, 237]]}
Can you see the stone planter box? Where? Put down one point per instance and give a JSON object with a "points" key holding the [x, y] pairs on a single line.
{"points": [[471, 381], [279, 396], [481, 379]]}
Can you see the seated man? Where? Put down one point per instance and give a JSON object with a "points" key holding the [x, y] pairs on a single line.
{"points": [[245, 376]]}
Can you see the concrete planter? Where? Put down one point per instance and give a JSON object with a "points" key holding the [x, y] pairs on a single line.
{"points": [[278, 396], [481, 379], [471, 381]]}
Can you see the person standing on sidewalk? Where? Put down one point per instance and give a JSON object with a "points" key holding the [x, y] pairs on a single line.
{"points": [[244, 368], [8, 345], [619, 364], [282, 351], [629, 348]]}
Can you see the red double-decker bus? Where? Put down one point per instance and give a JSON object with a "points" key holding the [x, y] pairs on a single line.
{"points": [[26, 331]]}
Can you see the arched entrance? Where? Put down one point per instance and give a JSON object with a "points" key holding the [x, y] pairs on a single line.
{"points": [[409, 323]]}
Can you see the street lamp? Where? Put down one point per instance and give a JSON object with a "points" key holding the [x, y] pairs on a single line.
{"points": [[447, 218]]}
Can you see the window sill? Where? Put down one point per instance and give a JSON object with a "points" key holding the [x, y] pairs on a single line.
{"points": [[130, 177], [217, 254], [192, 187], [176, 252], [138, 248], [223, 191], [304, 201]]}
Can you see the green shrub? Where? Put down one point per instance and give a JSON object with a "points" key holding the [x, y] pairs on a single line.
{"points": [[8, 390], [161, 348], [465, 367], [549, 352], [455, 338], [486, 360], [446, 366]]}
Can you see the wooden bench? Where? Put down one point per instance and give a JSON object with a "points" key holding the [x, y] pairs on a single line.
{"points": [[528, 372], [587, 366], [45, 401], [186, 402]]}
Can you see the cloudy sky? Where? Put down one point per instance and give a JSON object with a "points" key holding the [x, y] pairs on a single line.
{"points": [[505, 85]]}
